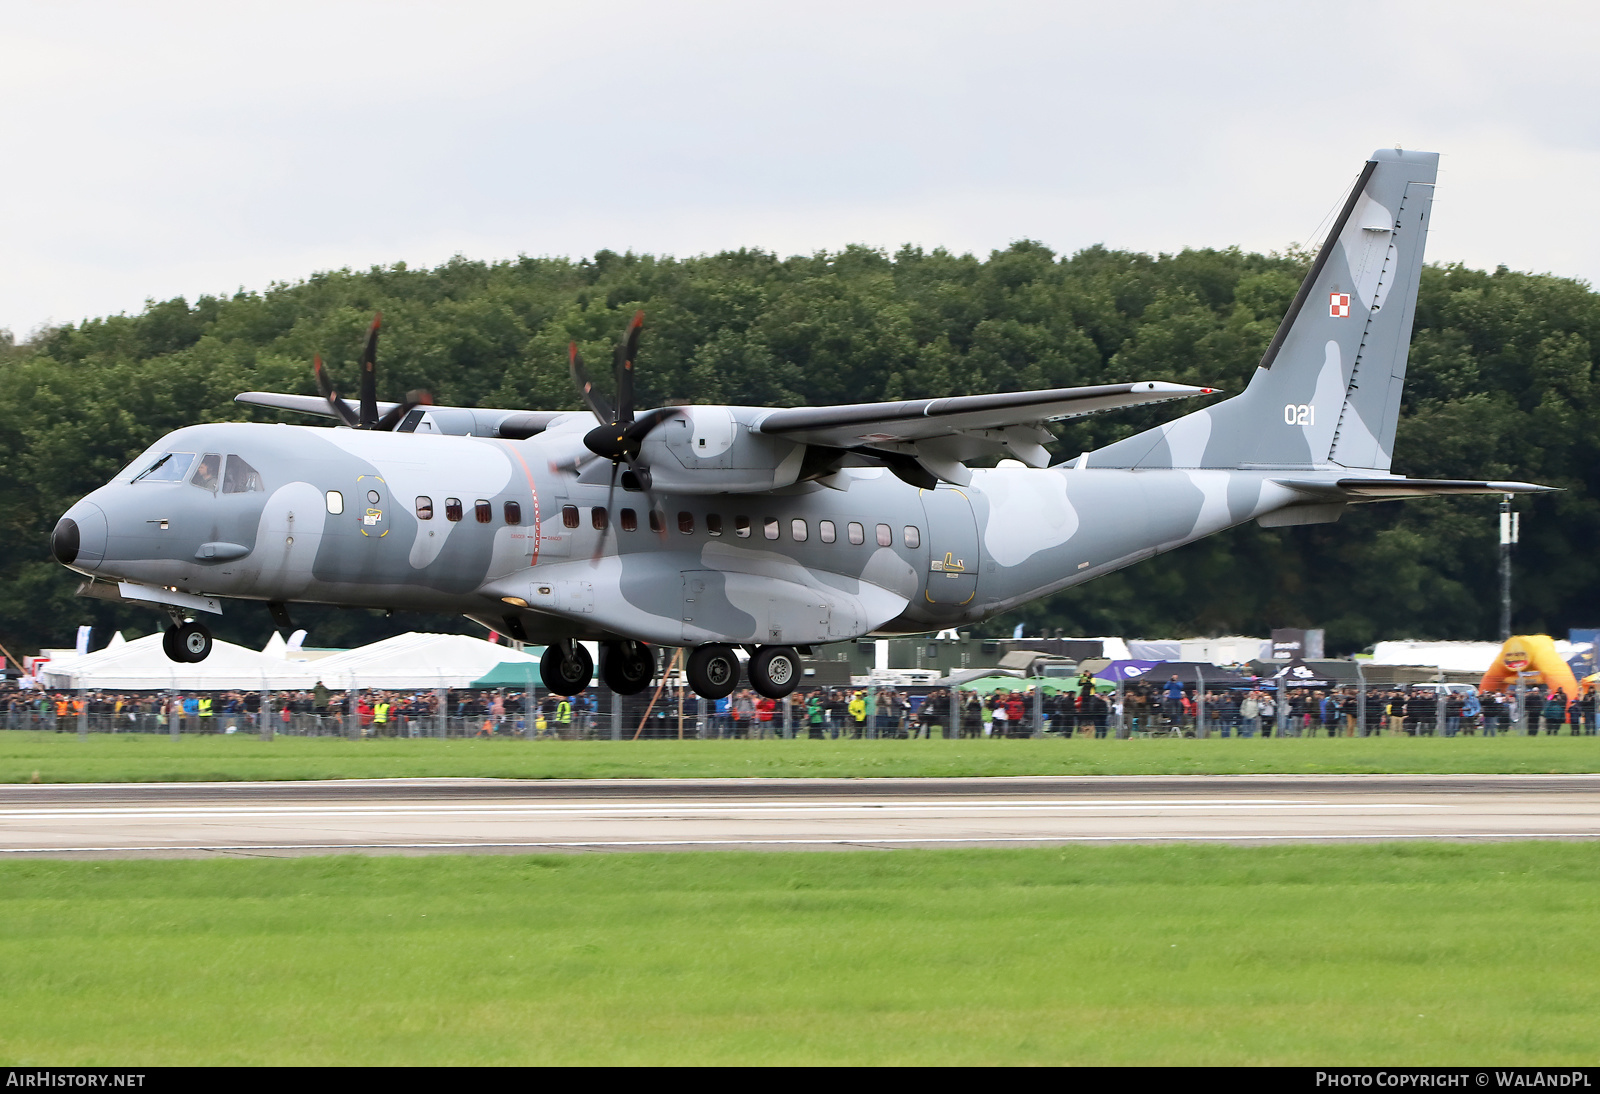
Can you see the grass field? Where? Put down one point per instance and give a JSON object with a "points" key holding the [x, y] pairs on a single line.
{"points": [[50, 757], [1416, 953]]}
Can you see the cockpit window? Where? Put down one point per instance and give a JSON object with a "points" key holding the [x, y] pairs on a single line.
{"points": [[210, 470], [171, 467], [241, 478]]}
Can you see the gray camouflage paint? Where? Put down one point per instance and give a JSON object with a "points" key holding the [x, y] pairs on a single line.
{"points": [[1327, 403]]}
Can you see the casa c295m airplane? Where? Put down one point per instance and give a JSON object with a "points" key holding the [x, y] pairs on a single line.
{"points": [[775, 530]]}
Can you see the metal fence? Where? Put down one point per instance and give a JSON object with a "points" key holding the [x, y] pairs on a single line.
{"points": [[674, 714]]}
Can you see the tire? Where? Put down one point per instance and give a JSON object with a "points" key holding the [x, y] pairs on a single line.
{"points": [[627, 667], [193, 642], [713, 671], [775, 671], [562, 676], [169, 644]]}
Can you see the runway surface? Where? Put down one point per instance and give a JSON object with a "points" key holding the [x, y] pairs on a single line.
{"points": [[420, 816]]}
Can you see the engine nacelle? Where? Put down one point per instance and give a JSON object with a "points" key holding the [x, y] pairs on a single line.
{"points": [[711, 450]]}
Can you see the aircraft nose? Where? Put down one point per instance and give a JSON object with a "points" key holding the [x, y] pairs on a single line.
{"points": [[79, 539]]}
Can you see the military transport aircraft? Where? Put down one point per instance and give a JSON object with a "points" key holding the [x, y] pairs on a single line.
{"points": [[775, 530]]}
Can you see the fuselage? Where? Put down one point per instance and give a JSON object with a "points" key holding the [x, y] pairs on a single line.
{"points": [[508, 532]]}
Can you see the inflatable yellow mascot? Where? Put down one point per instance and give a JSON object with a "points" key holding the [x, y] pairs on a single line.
{"points": [[1534, 656]]}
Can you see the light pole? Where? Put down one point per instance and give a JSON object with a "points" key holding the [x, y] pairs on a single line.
{"points": [[1509, 529]]}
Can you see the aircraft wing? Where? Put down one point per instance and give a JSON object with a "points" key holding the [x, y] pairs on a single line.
{"points": [[869, 424], [300, 404], [1397, 489], [453, 420]]}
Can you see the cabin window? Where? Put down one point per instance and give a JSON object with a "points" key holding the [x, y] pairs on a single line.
{"points": [[686, 522], [657, 522], [569, 516], [858, 534], [335, 502], [913, 536], [172, 467], [483, 511], [797, 529], [629, 520], [210, 470], [597, 518], [825, 531], [513, 512], [452, 508], [713, 524], [373, 497], [241, 478], [424, 508], [769, 527], [885, 536], [741, 527]]}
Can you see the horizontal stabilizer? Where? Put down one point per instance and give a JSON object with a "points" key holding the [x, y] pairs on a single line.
{"points": [[1386, 489], [856, 424]]}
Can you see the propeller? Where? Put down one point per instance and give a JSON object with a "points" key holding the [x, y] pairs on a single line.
{"points": [[365, 416], [620, 436]]}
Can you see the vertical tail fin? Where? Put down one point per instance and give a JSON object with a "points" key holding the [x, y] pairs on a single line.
{"points": [[1327, 390]]}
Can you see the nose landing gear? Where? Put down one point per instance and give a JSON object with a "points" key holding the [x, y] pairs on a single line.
{"points": [[187, 643]]}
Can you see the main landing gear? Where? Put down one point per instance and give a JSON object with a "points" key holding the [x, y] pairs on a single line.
{"points": [[566, 667], [629, 667], [714, 671], [187, 643]]}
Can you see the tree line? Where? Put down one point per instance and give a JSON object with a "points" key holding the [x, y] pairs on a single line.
{"points": [[1499, 386]]}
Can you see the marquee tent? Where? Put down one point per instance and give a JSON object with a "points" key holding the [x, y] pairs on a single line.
{"points": [[408, 661], [416, 660], [141, 665], [511, 674]]}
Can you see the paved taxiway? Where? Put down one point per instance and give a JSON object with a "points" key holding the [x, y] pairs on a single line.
{"points": [[487, 815]]}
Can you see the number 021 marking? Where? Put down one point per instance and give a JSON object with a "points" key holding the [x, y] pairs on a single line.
{"points": [[1299, 414]]}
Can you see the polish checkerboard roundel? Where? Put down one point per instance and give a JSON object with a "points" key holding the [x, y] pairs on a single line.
{"points": [[1339, 305]]}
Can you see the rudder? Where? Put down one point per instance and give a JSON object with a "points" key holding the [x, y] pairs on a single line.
{"points": [[1327, 390]]}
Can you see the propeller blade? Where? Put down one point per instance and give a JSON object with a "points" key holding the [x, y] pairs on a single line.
{"points": [[596, 402], [641, 428], [626, 354], [369, 376], [340, 407], [397, 414]]}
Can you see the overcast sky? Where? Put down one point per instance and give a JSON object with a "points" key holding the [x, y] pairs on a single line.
{"points": [[159, 149]]}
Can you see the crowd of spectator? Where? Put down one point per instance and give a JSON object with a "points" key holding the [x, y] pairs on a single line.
{"points": [[1081, 708]]}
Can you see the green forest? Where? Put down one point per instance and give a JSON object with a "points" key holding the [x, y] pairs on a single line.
{"points": [[1501, 385]]}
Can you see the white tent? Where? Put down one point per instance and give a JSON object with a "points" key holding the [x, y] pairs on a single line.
{"points": [[142, 665], [414, 660]]}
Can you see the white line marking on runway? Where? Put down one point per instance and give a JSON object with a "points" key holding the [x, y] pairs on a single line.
{"points": [[497, 809], [854, 841]]}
